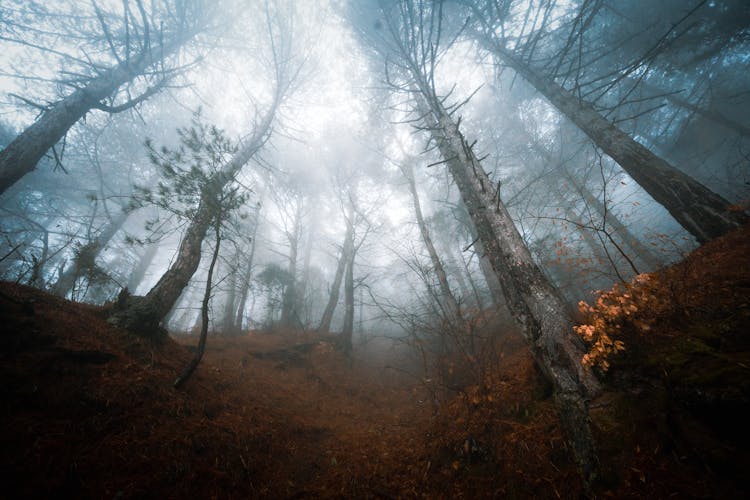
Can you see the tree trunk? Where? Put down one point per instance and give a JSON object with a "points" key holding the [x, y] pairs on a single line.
{"points": [[348, 328], [289, 300], [245, 290], [190, 368], [164, 294], [533, 302], [333, 299], [447, 300], [144, 314], [699, 210]]}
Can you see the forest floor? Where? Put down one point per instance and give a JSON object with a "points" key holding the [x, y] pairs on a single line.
{"points": [[89, 411]]}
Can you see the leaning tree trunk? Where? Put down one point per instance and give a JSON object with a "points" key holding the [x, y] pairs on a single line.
{"points": [[333, 298], [144, 314], [24, 152], [703, 213], [533, 302], [190, 368]]}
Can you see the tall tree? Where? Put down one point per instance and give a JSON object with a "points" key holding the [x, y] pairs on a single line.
{"points": [[343, 261], [702, 212], [217, 163], [147, 312], [446, 299], [292, 204], [407, 35]]}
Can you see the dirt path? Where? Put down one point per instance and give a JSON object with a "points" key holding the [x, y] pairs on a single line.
{"points": [[362, 424]]}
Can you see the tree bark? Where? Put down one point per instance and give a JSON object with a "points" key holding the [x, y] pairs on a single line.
{"points": [[24, 152], [190, 368], [333, 298], [699, 210], [534, 303], [447, 300], [144, 314]]}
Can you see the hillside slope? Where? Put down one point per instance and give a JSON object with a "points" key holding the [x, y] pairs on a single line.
{"points": [[89, 410]]}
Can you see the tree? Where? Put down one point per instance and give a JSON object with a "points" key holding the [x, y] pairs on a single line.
{"points": [[224, 202], [196, 177], [347, 248], [702, 212], [407, 35], [147, 312], [291, 202], [446, 299], [142, 48], [248, 274]]}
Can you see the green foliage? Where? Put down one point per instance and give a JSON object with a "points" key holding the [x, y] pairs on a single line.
{"points": [[192, 175], [274, 276]]}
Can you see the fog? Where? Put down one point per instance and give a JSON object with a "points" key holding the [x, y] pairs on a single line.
{"points": [[331, 93]]}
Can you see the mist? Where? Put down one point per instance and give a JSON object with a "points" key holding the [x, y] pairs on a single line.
{"points": [[425, 187]]}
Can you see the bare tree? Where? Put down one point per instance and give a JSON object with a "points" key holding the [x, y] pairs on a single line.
{"points": [[702, 212], [344, 258], [446, 298], [143, 45]]}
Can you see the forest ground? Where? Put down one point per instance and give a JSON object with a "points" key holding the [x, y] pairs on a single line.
{"points": [[89, 411]]}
